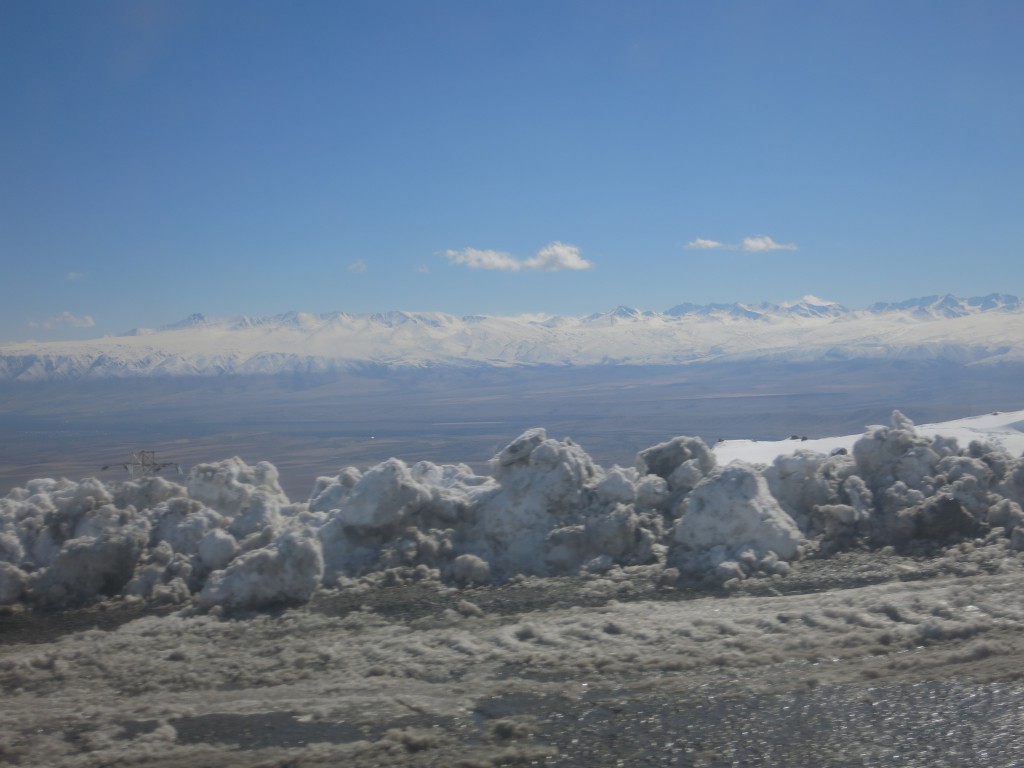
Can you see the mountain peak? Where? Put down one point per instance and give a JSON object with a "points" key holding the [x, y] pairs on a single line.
{"points": [[620, 312], [194, 320]]}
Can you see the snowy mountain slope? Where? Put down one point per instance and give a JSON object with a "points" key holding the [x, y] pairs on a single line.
{"points": [[986, 329]]}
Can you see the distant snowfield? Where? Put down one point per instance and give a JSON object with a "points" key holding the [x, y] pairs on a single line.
{"points": [[980, 330], [1003, 429], [864, 608]]}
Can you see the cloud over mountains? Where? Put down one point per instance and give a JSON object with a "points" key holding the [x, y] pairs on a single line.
{"points": [[554, 257], [751, 244]]}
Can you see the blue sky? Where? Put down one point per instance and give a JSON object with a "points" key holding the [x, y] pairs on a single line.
{"points": [[164, 158]]}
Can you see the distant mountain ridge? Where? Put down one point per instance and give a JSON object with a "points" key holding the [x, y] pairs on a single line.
{"points": [[951, 306], [947, 306], [972, 330]]}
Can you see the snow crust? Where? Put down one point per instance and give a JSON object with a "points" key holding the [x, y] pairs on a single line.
{"points": [[229, 538]]}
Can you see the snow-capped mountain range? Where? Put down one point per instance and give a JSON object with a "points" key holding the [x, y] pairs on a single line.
{"points": [[975, 330]]}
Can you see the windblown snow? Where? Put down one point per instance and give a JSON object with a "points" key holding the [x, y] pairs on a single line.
{"points": [[228, 539], [986, 329]]}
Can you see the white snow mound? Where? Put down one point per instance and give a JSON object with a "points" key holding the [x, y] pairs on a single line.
{"points": [[230, 537], [734, 508]]}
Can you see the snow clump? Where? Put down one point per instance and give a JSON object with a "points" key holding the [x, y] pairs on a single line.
{"points": [[229, 536]]}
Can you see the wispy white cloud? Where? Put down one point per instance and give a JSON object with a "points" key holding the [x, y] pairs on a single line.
{"points": [[64, 318], [556, 256], [553, 257], [699, 243], [74, 277], [752, 244], [764, 243], [358, 267], [423, 269], [474, 258]]}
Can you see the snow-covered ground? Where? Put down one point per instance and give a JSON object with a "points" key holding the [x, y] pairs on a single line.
{"points": [[1004, 429], [897, 673], [862, 608]]}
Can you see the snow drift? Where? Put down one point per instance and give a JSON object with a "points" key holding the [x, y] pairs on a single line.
{"points": [[229, 538]]}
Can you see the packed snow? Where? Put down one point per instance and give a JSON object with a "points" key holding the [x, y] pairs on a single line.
{"points": [[229, 539]]}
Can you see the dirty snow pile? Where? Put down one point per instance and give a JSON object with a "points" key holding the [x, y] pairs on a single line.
{"points": [[230, 537]]}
